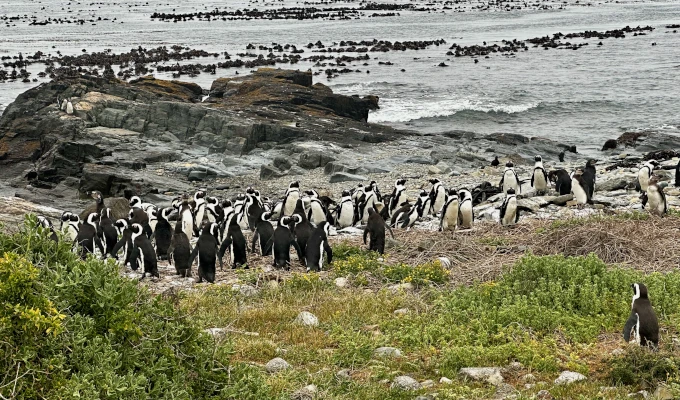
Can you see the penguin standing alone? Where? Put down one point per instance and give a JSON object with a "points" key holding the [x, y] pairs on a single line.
{"points": [[642, 325], [449, 217], [495, 162], [539, 178], [655, 199], [317, 246], [509, 211], [510, 180], [375, 230]]}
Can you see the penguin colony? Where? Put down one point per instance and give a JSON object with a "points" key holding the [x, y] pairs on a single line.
{"points": [[301, 221]]}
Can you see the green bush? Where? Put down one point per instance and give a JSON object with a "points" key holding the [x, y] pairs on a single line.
{"points": [[423, 274], [74, 329], [642, 367]]}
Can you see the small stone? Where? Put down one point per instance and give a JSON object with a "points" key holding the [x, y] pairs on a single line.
{"points": [[445, 381], [567, 377], [407, 287], [344, 375], [307, 319], [405, 383], [426, 397], [427, 384], [401, 311], [276, 365], [217, 333], [529, 378], [528, 386], [642, 394], [270, 172], [245, 290], [341, 282], [504, 390], [662, 393], [489, 374], [387, 352], [306, 393], [544, 395], [514, 366]]}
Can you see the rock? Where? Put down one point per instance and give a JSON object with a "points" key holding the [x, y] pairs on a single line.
{"points": [[270, 172], [488, 374], [307, 319], [567, 377], [314, 159], [407, 287], [426, 384], [344, 375], [120, 207], [405, 383], [276, 365], [662, 393], [197, 175], [426, 160], [514, 366], [562, 200], [426, 397], [618, 352], [401, 311], [244, 290], [642, 394], [529, 378], [334, 166], [306, 393], [341, 282], [611, 185], [440, 169], [345, 177], [282, 163], [504, 391], [295, 170], [387, 352], [610, 144], [544, 395], [445, 381]]}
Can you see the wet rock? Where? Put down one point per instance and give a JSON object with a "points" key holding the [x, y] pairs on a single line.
{"points": [[567, 377], [276, 365], [345, 177], [307, 319], [387, 352], [488, 374], [405, 383], [610, 144]]}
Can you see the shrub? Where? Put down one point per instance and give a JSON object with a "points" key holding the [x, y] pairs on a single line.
{"points": [[423, 274], [641, 367]]}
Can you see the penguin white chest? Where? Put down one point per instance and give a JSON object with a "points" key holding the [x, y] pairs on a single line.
{"points": [[466, 215], [579, 193], [510, 182], [539, 180], [187, 223], [510, 212], [450, 217], [291, 201], [439, 200], [643, 178], [346, 215]]}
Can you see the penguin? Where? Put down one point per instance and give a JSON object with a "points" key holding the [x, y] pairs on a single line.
{"points": [[152, 212], [282, 241], [206, 249], [645, 173], [99, 201], [63, 104], [376, 190], [64, 227], [302, 228], [356, 194], [241, 205], [69, 107], [642, 325], [655, 199], [589, 177], [45, 223], [509, 211], [179, 252], [449, 217], [290, 201], [139, 215], [495, 162], [163, 234], [465, 215], [199, 209], [539, 178], [255, 207], [425, 204], [398, 196], [264, 231], [109, 233], [579, 188], [561, 156], [214, 210], [317, 245], [317, 210], [677, 175], [510, 180], [143, 252], [561, 180], [235, 242], [375, 230], [437, 196], [345, 211], [408, 218], [367, 200], [186, 217], [87, 237], [124, 243], [277, 211]]}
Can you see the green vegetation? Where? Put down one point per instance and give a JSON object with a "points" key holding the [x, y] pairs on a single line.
{"points": [[78, 329]]}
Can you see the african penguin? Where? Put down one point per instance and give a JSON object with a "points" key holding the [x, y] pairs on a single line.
{"points": [[317, 210], [345, 211], [292, 196], [655, 197], [425, 204], [46, 224], [561, 180], [163, 234], [264, 231], [398, 196], [214, 210], [465, 215], [367, 200], [302, 228], [376, 190], [495, 162], [589, 176], [408, 218], [235, 242], [109, 232], [539, 178], [375, 230], [179, 252], [199, 210], [69, 107], [143, 252], [186, 218], [124, 243], [645, 173], [437, 196], [282, 241], [316, 246], [510, 180], [642, 325], [87, 236], [579, 188], [206, 249], [449, 217], [677, 174], [509, 211]]}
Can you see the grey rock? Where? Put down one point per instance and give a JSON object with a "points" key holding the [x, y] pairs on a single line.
{"points": [[642, 394], [544, 395], [401, 311], [282, 163], [405, 382], [341, 282], [307, 319], [314, 159], [387, 352], [344, 375], [562, 200], [425, 397], [244, 290], [663, 393], [197, 175], [419, 160], [504, 390], [306, 393], [295, 170], [488, 374], [529, 378], [618, 352], [335, 167], [567, 377], [276, 365], [445, 381], [611, 185], [270, 172], [426, 384], [345, 177]]}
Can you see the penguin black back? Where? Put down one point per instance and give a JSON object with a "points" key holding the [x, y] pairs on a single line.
{"points": [[143, 251], [562, 181], [236, 243], [87, 236], [264, 231], [163, 233], [109, 233], [642, 324], [282, 241], [375, 230], [206, 250], [589, 174], [317, 246], [179, 251], [495, 162], [303, 229]]}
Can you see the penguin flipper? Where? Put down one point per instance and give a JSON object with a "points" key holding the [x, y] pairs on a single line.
{"points": [[268, 246], [117, 247], [225, 245], [504, 208], [390, 229], [532, 178], [365, 233], [255, 237], [98, 242], [500, 184], [329, 250], [628, 328]]}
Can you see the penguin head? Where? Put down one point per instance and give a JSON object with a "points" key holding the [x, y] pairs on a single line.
{"points": [[538, 159], [121, 223], [509, 165], [199, 195], [295, 219], [250, 191], [311, 193], [294, 185], [74, 218], [266, 216], [373, 184], [92, 219], [371, 211], [326, 227], [400, 183], [44, 222], [299, 207], [135, 201], [423, 193], [227, 203], [434, 181], [510, 192], [639, 291], [368, 189], [136, 231], [591, 163], [378, 206], [346, 193], [97, 195], [211, 200], [176, 203], [452, 193], [165, 213], [66, 216]]}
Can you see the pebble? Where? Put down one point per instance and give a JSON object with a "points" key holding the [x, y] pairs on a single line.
{"points": [[405, 382], [306, 393], [544, 395], [401, 311], [445, 381], [387, 352], [341, 282], [277, 365], [491, 375], [567, 377], [343, 374], [427, 384], [307, 319]]}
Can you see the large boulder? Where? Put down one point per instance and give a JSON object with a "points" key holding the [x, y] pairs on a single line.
{"points": [[119, 206], [314, 159]]}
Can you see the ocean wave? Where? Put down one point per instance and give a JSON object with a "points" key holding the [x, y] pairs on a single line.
{"points": [[405, 111]]}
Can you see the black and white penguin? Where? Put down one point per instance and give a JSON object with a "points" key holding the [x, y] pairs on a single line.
{"points": [[345, 211], [87, 237], [99, 201], [64, 227], [398, 196], [645, 173], [214, 210], [642, 325], [302, 228], [45, 223], [264, 232], [199, 209], [677, 175], [425, 204], [375, 230], [367, 200], [63, 104], [179, 252], [510, 180], [509, 211], [235, 242], [495, 162], [655, 199], [292, 196], [241, 205], [316, 213], [206, 249], [589, 176], [186, 218], [465, 215], [139, 215], [109, 233], [69, 107], [437, 196], [579, 188], [124, 243], [255, 207], [539, 178], [561, 180], [317, 246], [407, 219], [376, 190], [449, 217], [282, 241], [163, 233], [143, 252]]}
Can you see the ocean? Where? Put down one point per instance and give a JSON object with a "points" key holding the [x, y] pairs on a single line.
{"points": [[581, 97]]}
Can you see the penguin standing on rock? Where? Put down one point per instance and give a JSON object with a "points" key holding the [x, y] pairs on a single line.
{"points": [[466, 217], [206, 249], [589, 177], [510, 180], [449, 217], [654, 199], [179, 252], [87, 236], [375, 230], [143, 252], [645, 173], [437, 196], [317, 246], [539, 178], [509, 211], [642, 326]]}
